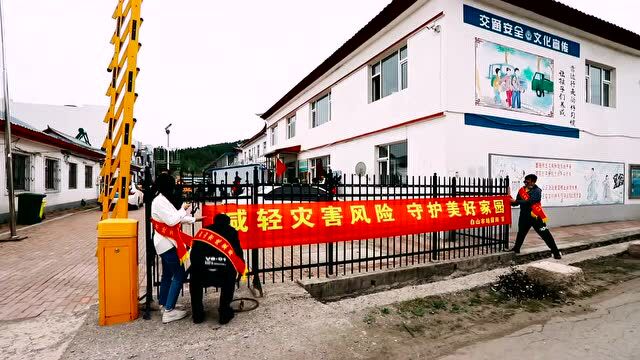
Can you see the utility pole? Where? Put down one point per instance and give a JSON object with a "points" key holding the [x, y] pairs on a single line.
{"points": [[167, 131], [7, 139]]}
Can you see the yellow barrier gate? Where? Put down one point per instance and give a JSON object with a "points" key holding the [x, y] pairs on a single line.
{"points": [[115, 176]]}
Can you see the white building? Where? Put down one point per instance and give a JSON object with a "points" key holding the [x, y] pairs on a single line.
{"points": [[50, 162], [428, 86], [253, 150]]}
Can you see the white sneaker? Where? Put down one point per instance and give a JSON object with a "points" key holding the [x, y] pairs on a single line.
{"points": [[173, 315], [178, 306]]}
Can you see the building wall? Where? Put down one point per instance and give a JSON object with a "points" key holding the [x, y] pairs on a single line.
{"points": [[64, 196], [351, 112], [257, 151], [591, 118], [442, 78]]}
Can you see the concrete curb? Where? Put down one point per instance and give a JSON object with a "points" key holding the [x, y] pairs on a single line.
{"points": [[336, 288]]}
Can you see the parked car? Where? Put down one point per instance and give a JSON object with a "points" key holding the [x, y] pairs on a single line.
{"points": [[541, 84], [298, 192], [135, 200], [136, 197]]}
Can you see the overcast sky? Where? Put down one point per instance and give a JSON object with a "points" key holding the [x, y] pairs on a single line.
{"points": [[206, 66]]}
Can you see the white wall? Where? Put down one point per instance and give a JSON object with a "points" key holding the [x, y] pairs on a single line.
{"points": [[38, 153], [472, 160], [442, 79], [351, 112]]}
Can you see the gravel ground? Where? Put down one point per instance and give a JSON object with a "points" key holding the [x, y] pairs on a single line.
{"points": [[289, 324]]}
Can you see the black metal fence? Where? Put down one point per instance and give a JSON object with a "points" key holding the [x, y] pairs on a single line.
{"points": [[347, 257]]}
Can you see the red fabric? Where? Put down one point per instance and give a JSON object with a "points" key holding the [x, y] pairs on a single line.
{"points": [[536, 209], [183, 241], [275, 225], [217, 241], [280, 168]]}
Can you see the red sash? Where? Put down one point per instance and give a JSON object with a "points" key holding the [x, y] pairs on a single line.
{"points": [[183, 241], [223, 245], [536, 208]]}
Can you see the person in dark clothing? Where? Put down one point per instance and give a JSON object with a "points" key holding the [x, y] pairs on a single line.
{"points": [[531, 215], [210, 267]]}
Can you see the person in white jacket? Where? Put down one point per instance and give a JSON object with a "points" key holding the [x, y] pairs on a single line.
{"points": [[173, 273]]}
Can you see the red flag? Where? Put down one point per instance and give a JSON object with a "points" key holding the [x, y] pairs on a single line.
{"points": [[280, 168]]}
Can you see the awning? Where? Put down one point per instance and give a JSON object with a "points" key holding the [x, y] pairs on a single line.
{"points": [[286, 150]]}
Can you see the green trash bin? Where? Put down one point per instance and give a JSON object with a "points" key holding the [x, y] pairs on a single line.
{"points": [[29, 208]]}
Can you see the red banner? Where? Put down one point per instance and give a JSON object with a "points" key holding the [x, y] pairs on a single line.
{"points": [[274, 225]]}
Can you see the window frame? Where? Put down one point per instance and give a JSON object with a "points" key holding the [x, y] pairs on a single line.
{"points": [[589, 66], [27, 172], [314, 110], [291, 126], [632, 168], [74, 177], [88, 179], [386, 159], [312, 166], [379, 75], [273, 135], [55, 177]]}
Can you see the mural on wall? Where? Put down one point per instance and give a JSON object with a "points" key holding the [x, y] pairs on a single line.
{"points": [[511, 79], [564, 182]]}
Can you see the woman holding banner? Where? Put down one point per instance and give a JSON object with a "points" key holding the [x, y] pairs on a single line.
{"points": [[169, 245], [532, 215]]}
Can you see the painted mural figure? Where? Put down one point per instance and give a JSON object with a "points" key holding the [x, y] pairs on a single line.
{"points": [[518, 89], [508, 86], [606, 189], [592, 192], [496, 87]]}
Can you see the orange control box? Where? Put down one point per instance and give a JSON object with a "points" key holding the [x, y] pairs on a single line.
{"points": [[117, 271]]}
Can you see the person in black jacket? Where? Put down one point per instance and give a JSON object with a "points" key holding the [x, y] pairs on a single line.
{"points": [[526, 220], [210, 267]]}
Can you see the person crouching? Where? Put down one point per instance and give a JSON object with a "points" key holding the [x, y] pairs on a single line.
{"points": [[215, 261]]}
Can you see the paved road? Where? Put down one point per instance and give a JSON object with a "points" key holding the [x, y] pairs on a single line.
{"points": [[609, 333]]}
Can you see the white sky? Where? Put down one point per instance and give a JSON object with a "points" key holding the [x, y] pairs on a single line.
{"points": [[207, 67]]}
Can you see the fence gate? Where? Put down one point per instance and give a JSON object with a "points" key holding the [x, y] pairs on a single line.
{"points": [[345, 257]]}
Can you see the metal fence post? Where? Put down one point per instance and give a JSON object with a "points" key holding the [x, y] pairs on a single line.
{"points": [[329, 187], [454, 193], [149, 249], [254, 253], [435, 236], [505, 228]]}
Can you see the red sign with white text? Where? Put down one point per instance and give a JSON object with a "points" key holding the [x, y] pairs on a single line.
{"points": [[274, 225]]}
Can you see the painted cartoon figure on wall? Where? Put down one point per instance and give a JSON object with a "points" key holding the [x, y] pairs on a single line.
{"points": [[504, 74]]}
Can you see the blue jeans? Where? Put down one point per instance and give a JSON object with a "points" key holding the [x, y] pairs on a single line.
{"points": [[515, 100], [173, 275]]}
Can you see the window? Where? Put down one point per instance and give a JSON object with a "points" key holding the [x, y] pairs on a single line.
{"points": [[73, 176], [264, 147], [291, 127], [390, 74], [321, 110], [634, 181], [21, 172], [599, 85], [274, 135], [51, 174], [392, 163], [88, 176], [318, 168]]}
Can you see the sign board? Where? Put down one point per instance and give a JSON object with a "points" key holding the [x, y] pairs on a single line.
{"points": [[564, 182], [303, 165], [275, 225], [512, 79], [519, 31]]}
